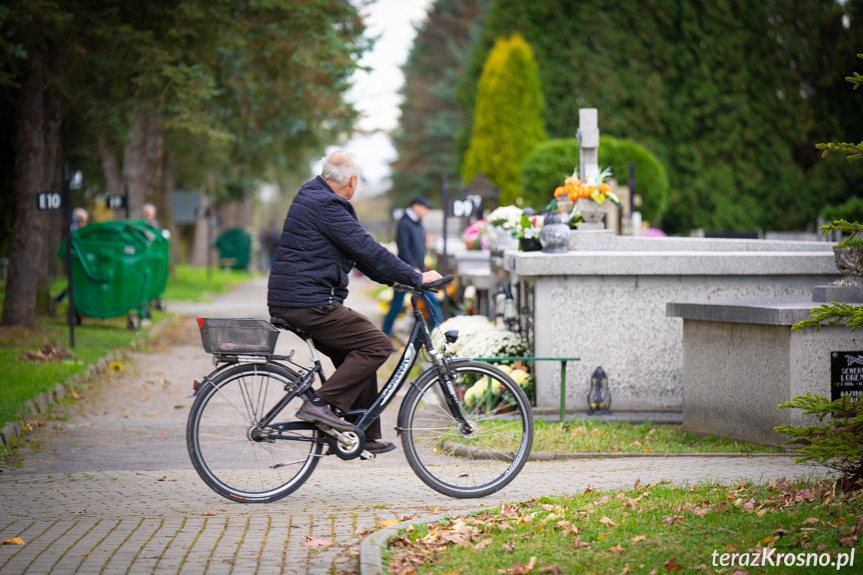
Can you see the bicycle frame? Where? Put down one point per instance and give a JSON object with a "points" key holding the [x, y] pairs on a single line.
{"points": [[419, 338]]}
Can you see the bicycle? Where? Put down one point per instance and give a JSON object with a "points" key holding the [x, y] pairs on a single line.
{"points": [[245, 448]]}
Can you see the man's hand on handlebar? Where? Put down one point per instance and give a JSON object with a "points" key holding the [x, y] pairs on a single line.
{"points": [[430, 276]]}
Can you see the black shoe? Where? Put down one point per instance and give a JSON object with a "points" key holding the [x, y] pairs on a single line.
{"points": [[322, 414], [380, 446]]}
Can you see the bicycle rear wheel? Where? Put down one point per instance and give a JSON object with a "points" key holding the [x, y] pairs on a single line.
{"points": [[230, 450], [467, 463]]}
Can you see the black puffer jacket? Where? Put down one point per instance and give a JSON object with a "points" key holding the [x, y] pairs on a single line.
{"points": [[321, 242]]}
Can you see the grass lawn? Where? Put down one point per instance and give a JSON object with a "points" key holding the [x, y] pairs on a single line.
{"points": [[23, 379], [707, 528], [599, 436]]}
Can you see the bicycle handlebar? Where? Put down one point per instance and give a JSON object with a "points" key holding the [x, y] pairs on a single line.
{"points": [[428, 287]]}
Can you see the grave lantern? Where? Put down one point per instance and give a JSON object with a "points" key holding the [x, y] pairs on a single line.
{"points": [[599, 396]]}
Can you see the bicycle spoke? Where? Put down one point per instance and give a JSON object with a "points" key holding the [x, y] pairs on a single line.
{"points": [[478, 459], [232, 454]]}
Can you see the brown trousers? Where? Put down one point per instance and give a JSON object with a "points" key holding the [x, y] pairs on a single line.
{"points": [[357, 348]]}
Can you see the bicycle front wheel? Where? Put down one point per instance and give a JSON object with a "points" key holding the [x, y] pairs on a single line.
{"points": [[474, 460], [233, 453]]}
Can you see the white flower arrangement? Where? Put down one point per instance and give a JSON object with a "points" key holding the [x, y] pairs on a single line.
{"points": [[478, 391], [520, 376], [505, 217], [478, 337]]}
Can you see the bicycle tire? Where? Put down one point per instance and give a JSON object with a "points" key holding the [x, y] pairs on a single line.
{"points": [[474, 465], [219, 436]]}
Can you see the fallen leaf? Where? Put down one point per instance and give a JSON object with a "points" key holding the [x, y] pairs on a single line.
{"points": [[508, 547], [848, 540], [672, 566], [616, 549], [317, 543], [519, 568], [554, 569], [13, 541], [672, 520], [749, 506], [638, 538], [209, 513], [607, 522], [482, 544], [577, 543], [165, 478], [74, 394], [389, 522]]}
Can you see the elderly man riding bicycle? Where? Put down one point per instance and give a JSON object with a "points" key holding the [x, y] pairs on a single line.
{"points": [[321, 242]]}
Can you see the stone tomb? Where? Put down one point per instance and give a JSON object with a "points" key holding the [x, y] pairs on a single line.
{"points": [[605, 302], [741, 359]]}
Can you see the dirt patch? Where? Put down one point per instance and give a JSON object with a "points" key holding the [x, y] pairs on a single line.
{"points": [[47, 353]]}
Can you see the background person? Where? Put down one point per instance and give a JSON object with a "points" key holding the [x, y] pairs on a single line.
{"points": [[320, 244], [80, 218], [148, 212], [411, 243]]}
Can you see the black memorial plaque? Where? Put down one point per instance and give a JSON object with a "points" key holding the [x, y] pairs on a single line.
{"points": [[846, 374]]}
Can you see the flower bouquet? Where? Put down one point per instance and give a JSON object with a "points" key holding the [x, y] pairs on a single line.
{"points": [[582, 200], [475, 236], [504, 223]]}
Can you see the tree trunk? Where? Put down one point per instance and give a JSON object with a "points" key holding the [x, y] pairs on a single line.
{"points": [[51, 180], [19, 306], [165, 208], [155, 150], [109, 166], [135, 163], [204, 236]]}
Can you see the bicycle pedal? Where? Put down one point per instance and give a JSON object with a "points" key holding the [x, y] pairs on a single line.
{"points": [[366, 455]]}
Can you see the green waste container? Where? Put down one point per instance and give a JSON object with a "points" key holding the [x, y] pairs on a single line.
{"points": [[158, 258], [235, 249], [113, 269]]}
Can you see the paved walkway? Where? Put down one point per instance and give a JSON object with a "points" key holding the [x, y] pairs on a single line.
{"points": [[111, 490]]}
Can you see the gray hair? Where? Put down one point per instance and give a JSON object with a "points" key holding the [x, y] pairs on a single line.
{"points": [[339, 167]]}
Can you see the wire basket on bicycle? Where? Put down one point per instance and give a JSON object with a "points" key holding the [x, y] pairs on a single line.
{"points": [[237, 336]]}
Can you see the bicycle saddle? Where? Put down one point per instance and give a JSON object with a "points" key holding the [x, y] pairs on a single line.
{"points": [[283, 324]]}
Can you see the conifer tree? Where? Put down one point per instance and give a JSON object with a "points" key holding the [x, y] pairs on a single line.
{"points": [[430, 114], [508, 119]]}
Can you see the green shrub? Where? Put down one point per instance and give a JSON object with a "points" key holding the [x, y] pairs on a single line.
{"points": [[839, 444], [552, 161], [850, 211], [545, 168]]}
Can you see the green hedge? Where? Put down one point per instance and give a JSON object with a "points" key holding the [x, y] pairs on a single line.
{"points": [[850, 211], [552, 161]]}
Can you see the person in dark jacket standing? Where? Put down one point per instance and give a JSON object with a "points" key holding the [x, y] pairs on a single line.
{"points": [[411, 243], [321, 242]]}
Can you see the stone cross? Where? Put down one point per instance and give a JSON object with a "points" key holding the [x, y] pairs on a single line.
{"points": [[588, 143]]}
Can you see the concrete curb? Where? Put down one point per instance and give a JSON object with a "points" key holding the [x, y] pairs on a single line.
{"points": [[42, 403]]}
